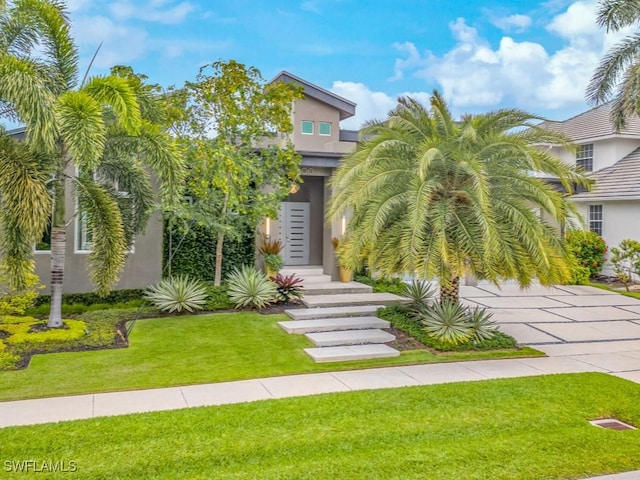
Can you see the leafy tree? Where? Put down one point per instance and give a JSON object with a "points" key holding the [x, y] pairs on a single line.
{"points": [[617, 76], [235, 133], [439, 198], [90, 136], [625, 259]]}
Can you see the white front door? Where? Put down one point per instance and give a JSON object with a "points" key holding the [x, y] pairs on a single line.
{"points": [[294, 232]]}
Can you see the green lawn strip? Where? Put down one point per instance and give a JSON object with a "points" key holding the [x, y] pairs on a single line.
{"points": [[189, 350], [621, 292], [516, 429]]}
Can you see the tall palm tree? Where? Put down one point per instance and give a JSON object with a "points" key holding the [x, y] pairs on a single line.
{"points": [[86, 135], [440, 199], [617, 77]]}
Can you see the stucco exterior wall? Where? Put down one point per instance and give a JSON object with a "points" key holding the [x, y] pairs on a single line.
{"points": [[313, 110]]}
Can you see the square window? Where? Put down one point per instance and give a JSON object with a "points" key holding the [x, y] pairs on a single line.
{"points": [[307, 127], [324, 128], [595, 219], [584, 157]]}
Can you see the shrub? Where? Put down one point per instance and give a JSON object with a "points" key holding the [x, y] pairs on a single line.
{"points": [[420, 294], [272, 262], [482, 327], [249, 288], [390, 285], [289, 288], [15, 302], [579, 274], [178, 294], [626, 261], [218, 298], [269, 246], [90, 298], [588, 248], [21, 332]]}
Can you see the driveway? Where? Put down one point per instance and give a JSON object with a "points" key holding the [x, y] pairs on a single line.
{"points": [[567, 321]]}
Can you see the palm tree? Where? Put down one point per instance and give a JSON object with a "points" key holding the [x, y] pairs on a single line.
{"points": [[617, 77], [88, 136], [437, 198]]}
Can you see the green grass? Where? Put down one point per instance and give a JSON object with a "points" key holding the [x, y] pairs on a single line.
{"points": [[621, 292], [192, 349], [511, 429]]}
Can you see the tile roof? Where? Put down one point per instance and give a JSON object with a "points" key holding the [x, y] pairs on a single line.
{"points": [[618, 182], [593, 123]]}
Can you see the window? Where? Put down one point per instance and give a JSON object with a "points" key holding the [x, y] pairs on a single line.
{"points": [[83, 234], [307, 127], [324, 128], [595, 219], [44, 245], [584, 157]]}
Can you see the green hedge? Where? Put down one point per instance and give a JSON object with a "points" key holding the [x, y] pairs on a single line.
{"points": [[91, 298], [196, 254]]}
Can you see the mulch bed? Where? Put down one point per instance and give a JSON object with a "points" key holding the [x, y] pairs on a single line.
{"points": [[404, 341]]}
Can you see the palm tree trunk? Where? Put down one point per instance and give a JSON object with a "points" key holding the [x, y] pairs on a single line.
{"points": [[450, 291], [58, 246]]}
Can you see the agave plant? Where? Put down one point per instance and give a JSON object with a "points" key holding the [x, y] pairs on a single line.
{"points": [[482, 327], [420, 293], [447, 322], [247, 287], [289, 287], [177, 294]]}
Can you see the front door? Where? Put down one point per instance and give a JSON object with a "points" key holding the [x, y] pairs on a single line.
{"points": [[294, 232]]}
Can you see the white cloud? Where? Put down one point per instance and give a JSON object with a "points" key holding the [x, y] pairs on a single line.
{"points": [[512, 23], [158, 11], [310, 6], [475, 75], [370, 105]]}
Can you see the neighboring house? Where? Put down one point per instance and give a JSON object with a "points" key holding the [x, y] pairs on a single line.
{"points": [[318, 139], [143, 266], [612, 207]]}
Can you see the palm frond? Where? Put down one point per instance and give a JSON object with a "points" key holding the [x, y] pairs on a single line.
{"points": [[104, 220], [116, 93]]}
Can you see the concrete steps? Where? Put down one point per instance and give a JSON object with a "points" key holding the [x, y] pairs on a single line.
{"points": [[355, 299], [350, 353], [332, 324], [332, 312], [333, 288], [350, 337]]}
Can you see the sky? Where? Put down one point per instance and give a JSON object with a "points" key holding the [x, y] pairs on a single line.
{"points": [[481, 55]]}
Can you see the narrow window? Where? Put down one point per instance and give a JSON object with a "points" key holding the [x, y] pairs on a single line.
{"points": [[83, 234], [584, 157], [44, 245], [324, 128], [307, 127], [595, 219]]}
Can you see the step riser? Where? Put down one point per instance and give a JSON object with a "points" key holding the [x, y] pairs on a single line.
{"points": [[350, 337], [300, 327], [349, 354], [317, 313], [330, 291], [313, 302]]}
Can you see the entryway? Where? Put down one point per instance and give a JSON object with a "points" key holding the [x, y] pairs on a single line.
{"points": [[294, 232]]}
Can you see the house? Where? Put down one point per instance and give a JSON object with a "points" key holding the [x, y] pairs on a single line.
{"points": [[612, 207], [143, 266], [319, 140]]}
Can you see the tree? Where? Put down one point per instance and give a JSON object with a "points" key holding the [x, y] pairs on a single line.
{"points": [[86, 135], [617, 77], [241, 162], [437, 198]]}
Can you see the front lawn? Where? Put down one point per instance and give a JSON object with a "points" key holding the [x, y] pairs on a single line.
{"points": [[192, 349], [511, 429]]}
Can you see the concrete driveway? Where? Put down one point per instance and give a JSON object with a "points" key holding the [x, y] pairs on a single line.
{"points": [[568, 321]]}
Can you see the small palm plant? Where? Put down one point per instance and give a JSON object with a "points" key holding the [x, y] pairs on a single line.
{"points": [[178, 294], [247, 287], [482, 327], [420, 294]]}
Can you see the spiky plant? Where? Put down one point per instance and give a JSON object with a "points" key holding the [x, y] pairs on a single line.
{"points": [[482, 327], [289, 287], [178, 294], [420, 294], [269, 246], [247, 287], [447, 322]]}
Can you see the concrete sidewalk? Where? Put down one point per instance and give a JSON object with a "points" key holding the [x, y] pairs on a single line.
{"points": [[623, 363]]}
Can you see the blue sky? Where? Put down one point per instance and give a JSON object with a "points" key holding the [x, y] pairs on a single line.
{"points": [[481, 54]]}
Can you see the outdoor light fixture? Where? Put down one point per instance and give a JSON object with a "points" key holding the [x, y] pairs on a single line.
{"points": [[267, 227]]}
